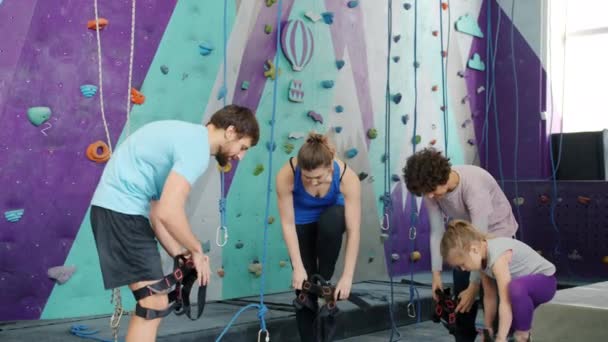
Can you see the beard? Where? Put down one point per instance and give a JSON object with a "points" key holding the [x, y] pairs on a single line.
{"points": [[221, 158]]}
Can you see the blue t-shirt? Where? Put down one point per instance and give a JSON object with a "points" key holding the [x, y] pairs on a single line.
{"points": [[308, 208], [137, 171]]}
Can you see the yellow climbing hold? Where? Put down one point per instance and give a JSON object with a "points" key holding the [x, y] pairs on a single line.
{"points": [[415, 256], [605, 260], [225, 169], [270, 219], [255, 268]]}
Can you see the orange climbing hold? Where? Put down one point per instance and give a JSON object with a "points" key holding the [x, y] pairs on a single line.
{"points": [[98, 152], [434, 88], [444, 6], [583, 200], [433, 142], [444, 54], [92, 24], [137, 97], [435, 33]]}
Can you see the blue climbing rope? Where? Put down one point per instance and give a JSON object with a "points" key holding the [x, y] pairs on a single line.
{"points": [[387, 202], [223, 94], [83, 331], [516, 102], [492, 90], [262, 309]]}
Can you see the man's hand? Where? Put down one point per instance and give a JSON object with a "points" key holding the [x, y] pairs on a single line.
{"points": [[436, 285], [298, 277], [343, 288], [203, 271], [467, 298]]}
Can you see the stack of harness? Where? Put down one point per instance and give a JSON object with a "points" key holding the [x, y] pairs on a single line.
{"points": [[182, 278], [445, 313], [324, 326]]}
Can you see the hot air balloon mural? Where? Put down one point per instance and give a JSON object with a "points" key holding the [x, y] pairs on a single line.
{"points": [[297, 43]]}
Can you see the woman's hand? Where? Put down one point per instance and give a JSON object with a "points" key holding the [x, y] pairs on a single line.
{"points": [[298, 277]]}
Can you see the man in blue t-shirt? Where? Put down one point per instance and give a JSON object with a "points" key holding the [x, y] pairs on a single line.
{"points": [[141, 196]]}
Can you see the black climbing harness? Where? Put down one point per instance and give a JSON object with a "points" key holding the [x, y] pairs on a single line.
{"points": [[182, 278], [445, 313], [324, 326]]}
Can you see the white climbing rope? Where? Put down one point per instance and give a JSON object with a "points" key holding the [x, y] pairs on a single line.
{"points": [[116, 297]]}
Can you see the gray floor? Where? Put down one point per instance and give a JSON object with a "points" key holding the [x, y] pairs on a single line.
{"points": [[425, 331]]}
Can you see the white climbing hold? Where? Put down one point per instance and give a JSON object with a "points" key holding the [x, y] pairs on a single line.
{"points": [[312, 16], [296, 135], [481, 90], [61, 273]]}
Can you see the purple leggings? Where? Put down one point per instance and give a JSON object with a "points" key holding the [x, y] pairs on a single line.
{"points": [[526, 294]]}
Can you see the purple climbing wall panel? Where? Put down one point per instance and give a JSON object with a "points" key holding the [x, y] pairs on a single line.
{"points": [[47, 174], [531, 79], [399, 236], [580, 227]]}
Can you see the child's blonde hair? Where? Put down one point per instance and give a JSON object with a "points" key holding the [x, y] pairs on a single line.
{"points": [[460, 235]]}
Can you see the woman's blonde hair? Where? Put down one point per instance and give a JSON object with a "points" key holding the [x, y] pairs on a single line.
{"points": [[316, 152], [460, 235]]}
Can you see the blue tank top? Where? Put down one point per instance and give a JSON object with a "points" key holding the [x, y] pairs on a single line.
{"points": [[308, 208]]}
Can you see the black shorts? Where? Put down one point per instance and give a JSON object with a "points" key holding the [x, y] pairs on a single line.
{"points": [[127, 247]]}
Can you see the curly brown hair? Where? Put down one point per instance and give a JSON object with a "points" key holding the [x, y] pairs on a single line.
{"points": [[425, 170]]}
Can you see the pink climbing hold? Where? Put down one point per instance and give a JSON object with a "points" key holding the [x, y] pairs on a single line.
{"points": [[316, 117]]}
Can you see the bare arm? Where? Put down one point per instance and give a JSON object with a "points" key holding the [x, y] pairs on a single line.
{"points": [[489, 301], [171, 212], [437, 230], [170, 245], [351, 189], [503, 278], [284, 185]]}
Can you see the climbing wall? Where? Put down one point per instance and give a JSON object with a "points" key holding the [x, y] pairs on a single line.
{"points": [[577, 240], [333, 64]]}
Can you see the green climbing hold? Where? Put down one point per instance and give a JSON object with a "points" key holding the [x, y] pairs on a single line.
{"points": [[372, 133], [269, 3], [288, 147], [38, 115], [282, 263], [268, 29], [270, 219], [245, 85], [416, 140], [258, 170]]}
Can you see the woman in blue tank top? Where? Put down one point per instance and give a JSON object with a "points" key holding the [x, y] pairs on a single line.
{"points": [[319, 199]]}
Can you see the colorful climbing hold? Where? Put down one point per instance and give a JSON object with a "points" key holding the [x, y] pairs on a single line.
{"points": [[226, 168], [339, 109], [396, 59], [605, 259], [268, 29], [476, 63], [460, 74], [395, 178], [416, 139], [471, 142], [245, 85], [38, 115], [465, 123], [464, 99], [481, 89], [327, 84], [328, 17], [396, 38], [583, 200], [434, 88], [270, 219], [259, 168], [442, 108], [282, 263], [405, 119], [239, 244], [288, 147], [61, 274], [164, 69], [312, 16], [269, 3], [370, 259], [467, 24], [255, 268], [92, 24], [383, 158], [98, 152], [407, 6], [296, 91], [137, 97], [13, 215], [444, 6], [444, 54], [372, 133], [416, 64], [270, 71], [435, 33], [383, 237], [296, 135], [415, 256], [316, 117], [397, 98], [352, 153], [433, 142], [519, 201], [206, 246], [205, 48], [352, 4], [340, 64], [544, 199], [362, 175], [338, 129], [394, 257], [88, 90], [221, 272]]}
